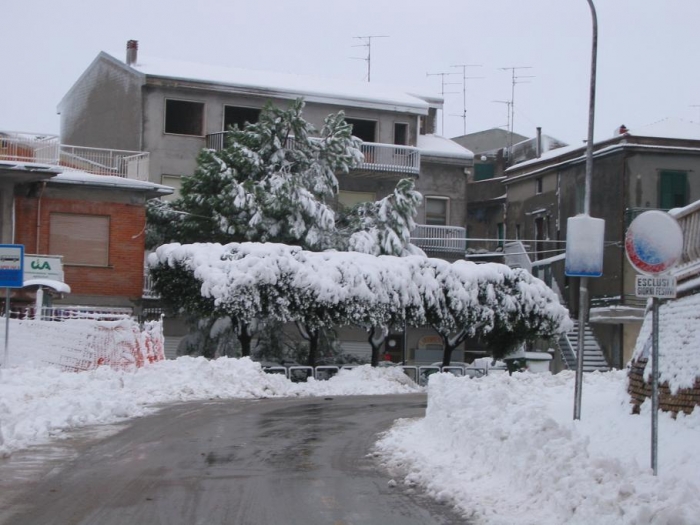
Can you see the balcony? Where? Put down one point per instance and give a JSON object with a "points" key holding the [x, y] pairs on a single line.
{"points": [[688, 269], [380, 160], [46, 149], [440, 240]]}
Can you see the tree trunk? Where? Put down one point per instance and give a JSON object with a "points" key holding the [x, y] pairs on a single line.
{"points": [[376, 343], [313, 346], [244, 338]]}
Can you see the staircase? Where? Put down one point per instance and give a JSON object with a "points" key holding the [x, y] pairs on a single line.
{"points": [[593, 358]]}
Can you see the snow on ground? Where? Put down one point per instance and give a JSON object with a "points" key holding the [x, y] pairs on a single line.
{"points": [[503, 449], [39, 403], [506, 451]]}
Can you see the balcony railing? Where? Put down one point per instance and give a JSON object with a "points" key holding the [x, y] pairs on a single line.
{"points": [[148, 291], [378, 158], [46, 149], [443, 239], [688, 269]]}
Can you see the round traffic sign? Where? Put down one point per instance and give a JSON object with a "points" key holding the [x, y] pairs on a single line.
{"points": [[654, 242]]}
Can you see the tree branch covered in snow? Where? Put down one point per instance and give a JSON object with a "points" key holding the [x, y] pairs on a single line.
{"points": [[249, 281]]}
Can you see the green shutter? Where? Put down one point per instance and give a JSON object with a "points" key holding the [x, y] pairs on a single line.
{"points": [[483, 171], [673, 189]]}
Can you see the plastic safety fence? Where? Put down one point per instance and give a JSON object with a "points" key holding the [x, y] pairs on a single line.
{"points": [[86, 344]]}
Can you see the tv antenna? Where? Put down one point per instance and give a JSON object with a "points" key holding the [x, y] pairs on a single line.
{"points": [[507, 103], [367, 42], [515, 79], [464, 93], [443, 92]]}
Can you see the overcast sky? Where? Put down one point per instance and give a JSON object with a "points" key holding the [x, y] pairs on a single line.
{"points": [[647, 53]]}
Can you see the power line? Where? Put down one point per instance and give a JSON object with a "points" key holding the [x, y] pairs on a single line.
{"points": [[367, 42]]}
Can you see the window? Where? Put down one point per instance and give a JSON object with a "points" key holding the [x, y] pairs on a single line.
{"points": [[81, 239], [483, 171], [538, 185], [183, 117], [365, 130], [673, 189], [501, 233], [401, 133], [175, 182], [348, 199], [517, 231], [239, 116], [436, 211]]}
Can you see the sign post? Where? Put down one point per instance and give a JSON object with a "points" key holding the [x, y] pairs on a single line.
{"points": [[11, 276], [654, 244]]}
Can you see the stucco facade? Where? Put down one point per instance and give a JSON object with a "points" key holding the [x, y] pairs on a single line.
{"points": [[629, 176]]}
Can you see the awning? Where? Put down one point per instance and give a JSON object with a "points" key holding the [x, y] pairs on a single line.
{"points": [[59, 286]]}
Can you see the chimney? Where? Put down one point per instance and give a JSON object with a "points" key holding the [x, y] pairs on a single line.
{"points": [[538, 143], [132, 50]]}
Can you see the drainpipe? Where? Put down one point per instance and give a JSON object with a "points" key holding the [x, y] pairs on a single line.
{"points": [[38, 215]]}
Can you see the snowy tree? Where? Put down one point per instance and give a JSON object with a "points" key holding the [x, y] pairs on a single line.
{"points": [[319, 290]]}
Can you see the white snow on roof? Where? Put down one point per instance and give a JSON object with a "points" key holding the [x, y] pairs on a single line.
{"points": [[70, 176], [437, 146], [59, 286], [317, 89], [671, 128]]}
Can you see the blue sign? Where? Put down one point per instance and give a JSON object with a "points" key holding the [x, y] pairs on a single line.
{"points": [[11, 265]]}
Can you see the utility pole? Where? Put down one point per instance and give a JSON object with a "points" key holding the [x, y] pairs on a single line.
{"points": [[443, 92], [367, 42], [464, 93], [515, 79]]}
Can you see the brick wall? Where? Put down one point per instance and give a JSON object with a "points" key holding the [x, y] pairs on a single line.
{"points": [[685, 400], [124, 275]]}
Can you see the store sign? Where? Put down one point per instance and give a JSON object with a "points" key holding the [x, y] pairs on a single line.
{"points": [[43, 267]]}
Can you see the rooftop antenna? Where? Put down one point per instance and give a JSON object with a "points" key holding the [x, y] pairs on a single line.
{"points": [[464, 93], [367, 42], [443, 92], [516, 79], [507, 103]]}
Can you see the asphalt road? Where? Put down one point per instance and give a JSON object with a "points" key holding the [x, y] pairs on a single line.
{"points": [[264, 462]]}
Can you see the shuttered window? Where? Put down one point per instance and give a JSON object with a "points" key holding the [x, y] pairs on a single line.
{"points": [[436, 211], [673, 189], [81, 239]]}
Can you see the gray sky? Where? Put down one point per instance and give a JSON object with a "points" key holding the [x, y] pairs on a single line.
{"points": [[647, 53]]}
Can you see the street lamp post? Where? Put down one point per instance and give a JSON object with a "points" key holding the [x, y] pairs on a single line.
{"points": [[583, 290]]}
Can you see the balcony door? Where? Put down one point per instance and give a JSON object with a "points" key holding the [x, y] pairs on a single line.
{"points": [[365, 130]]}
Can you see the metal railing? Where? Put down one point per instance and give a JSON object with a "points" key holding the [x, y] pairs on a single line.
{"points": [[390, 158], [378, 157], [64, 313], [689, 220], [450, 239], [46, 149], [148, 291]]}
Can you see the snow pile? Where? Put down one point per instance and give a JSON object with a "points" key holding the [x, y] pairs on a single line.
{"points": [[505, 450], [36, 404], [679, 340]]}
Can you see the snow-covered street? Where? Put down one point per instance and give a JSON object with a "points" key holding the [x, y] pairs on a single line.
{"points": [[504, 450]]}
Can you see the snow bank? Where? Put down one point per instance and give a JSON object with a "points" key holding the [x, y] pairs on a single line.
{"points": [[37, 404], [505, 450]]}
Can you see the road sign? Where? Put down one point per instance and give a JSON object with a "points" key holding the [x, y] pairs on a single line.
{"points": [[654, 242], [585, 238], [11, 265], [662, 286]]}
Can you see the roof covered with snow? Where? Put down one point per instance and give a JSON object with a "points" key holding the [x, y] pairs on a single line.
{"points": [[289, 85], [70, 176], [437, 146]]}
